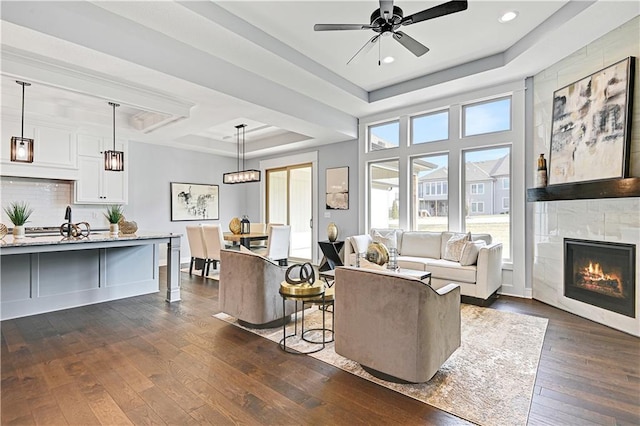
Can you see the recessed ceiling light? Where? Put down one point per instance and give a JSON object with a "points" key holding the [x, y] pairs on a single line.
{"points": [[508, 16], [388, 59]]}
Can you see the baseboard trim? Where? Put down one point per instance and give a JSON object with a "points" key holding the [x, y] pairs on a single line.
{"points": [[470, 300]]}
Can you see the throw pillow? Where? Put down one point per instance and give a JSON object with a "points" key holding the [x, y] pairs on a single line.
{"points": [[454, 246], [470, 252], [387, 238]]}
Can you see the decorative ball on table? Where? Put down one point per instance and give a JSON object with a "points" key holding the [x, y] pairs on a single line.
{"points": [[127, 227], [377, 253], [235, 226]]}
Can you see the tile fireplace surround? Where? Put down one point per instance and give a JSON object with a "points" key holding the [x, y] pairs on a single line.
{"points": [[613, 220]]}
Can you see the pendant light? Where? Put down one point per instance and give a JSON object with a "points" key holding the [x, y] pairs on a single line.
{"points": [[114, 160], [21, 147], [241, 176]]}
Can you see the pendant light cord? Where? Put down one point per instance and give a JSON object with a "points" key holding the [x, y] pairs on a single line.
{"points": [[243, 126], [22, 124], [114, 126], [114, 105], [23, 84]]}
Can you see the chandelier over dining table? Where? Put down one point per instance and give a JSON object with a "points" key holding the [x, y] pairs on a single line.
{"points": [[242, 175]]}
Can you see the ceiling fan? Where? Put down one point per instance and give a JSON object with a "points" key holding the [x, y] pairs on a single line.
{"points": [[388, 19]]}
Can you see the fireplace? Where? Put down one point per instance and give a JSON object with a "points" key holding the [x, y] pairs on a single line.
{"points": [[601, 274]]}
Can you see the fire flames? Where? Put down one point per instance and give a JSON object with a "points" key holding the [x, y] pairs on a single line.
{"points": [[594, 278]]}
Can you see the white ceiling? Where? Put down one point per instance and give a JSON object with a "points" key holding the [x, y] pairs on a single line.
{"points": [[187, 72]]}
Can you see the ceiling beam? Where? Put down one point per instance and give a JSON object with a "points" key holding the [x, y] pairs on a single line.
{"points": [[93, 27]]}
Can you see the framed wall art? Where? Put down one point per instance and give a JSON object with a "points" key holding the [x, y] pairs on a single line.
{"points": [[591, 126], [193, 201], [337, 188]]}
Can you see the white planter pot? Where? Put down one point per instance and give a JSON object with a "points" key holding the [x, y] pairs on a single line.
{"points": [[18, 231], [113, 229]]}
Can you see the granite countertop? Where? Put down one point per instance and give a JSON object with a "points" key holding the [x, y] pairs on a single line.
{"points": [[29, 240]]}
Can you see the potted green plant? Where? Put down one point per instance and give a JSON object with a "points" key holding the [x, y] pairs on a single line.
{"points": [[114, 214], [18, 213]]}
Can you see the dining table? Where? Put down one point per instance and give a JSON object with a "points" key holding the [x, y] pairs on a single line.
{"points": [[245, 239]]}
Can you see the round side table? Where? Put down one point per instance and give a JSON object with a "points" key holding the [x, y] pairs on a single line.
{"points": [[301, 293]]}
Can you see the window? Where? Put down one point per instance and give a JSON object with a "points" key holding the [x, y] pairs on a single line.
{"points": [[505, 183], [430, 127], [384, 198], [487, 204], [477, 188], [477, 207], [384, 136], [430, 204], [487, 117]]}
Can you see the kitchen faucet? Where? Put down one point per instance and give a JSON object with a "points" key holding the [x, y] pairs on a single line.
{"points": [[67, 217]]}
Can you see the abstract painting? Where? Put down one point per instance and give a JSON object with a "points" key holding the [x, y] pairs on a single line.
{"points": [[591, 126], [338, 188], [192, 201]]}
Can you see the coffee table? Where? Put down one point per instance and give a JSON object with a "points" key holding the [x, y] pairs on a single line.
{"points": [[421, 275]]}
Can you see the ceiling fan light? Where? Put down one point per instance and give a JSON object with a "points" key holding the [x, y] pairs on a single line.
{"points": [[508, 16]]}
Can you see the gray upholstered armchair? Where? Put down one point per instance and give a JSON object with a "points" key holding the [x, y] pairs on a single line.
{"points": [[395, 325], [249, 289]]}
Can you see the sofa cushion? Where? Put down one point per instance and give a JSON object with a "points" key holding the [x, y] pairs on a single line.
{"points": [[360, 243], [474, 237], [421, 244], [413, 262], [470, 252], [451, 271], [454, 246]]}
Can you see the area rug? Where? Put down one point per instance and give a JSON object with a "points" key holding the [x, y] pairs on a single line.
{"points": [[488, 380], [213, 274]]}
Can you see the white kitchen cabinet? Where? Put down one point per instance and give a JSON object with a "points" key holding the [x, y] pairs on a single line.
{"points": [[95, 185], [55, 153]]}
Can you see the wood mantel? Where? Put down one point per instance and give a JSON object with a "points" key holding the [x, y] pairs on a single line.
{"points": [[614, 188]]}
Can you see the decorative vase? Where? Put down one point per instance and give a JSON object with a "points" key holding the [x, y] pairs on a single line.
{"points": [[332, 232], [541, 173], [18, 231], [235, 226], [113, 229], [3, 230]]}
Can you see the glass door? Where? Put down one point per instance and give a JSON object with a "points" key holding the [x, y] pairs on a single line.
{"points": [[289, 201]]}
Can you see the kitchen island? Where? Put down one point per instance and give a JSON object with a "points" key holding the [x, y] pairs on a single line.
{"points": [[48, 273]]}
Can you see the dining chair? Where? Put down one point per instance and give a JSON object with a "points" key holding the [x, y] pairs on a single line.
{"points": [[278, 244], [213, 243], [197, 247]]}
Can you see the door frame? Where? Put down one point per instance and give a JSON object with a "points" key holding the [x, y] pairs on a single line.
{"points": [[293, 160]]}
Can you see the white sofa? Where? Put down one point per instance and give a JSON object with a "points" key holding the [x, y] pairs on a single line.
{"points": [[425, 251]]}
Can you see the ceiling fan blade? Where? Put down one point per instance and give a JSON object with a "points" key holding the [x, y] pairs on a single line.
{"points": [[410, 43], [435, 12], [386, 9], [364, 49], [339, 27]]}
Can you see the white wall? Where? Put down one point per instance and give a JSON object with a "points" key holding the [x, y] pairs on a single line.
{"points": [[154, 167], [328, 156], [614, 220]]}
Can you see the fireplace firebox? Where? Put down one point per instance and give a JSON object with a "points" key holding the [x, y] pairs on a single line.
{"points": [[601, 274]]}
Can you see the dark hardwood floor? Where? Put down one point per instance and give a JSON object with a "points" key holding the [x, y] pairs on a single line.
{"points": [[143, 361]]}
